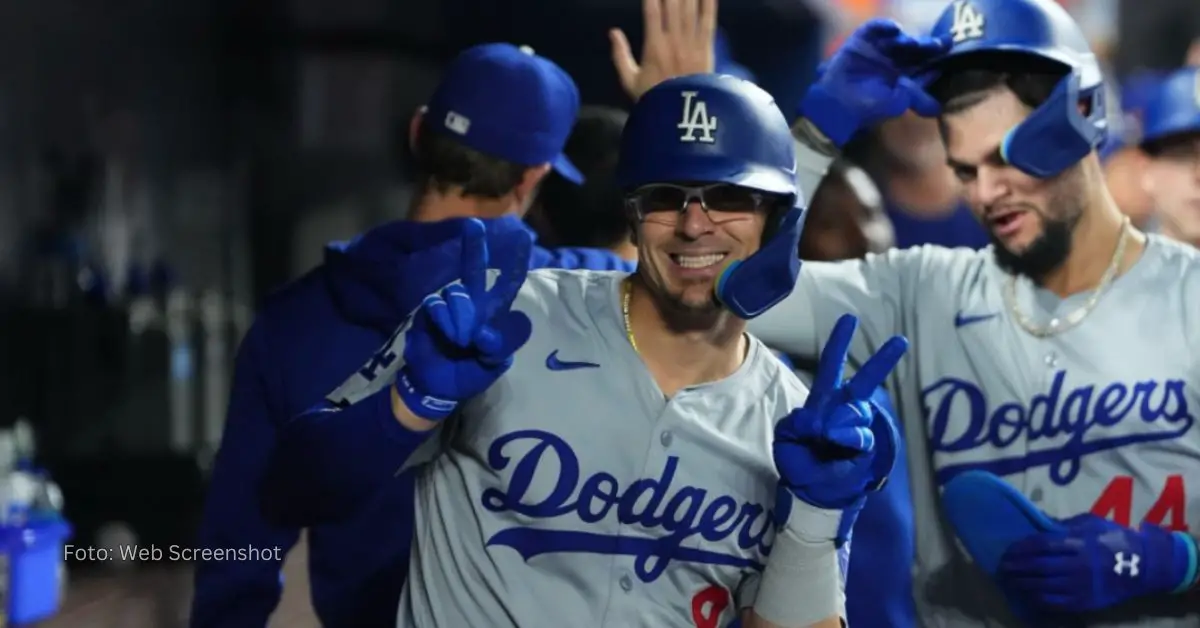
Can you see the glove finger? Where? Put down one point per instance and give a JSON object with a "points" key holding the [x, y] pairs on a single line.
{"points": [[503, 336], [906, 51], [1033, 568], [798, 465], [1088, 522], [919, 100], [799, 425], [851, 414], [474, 258], [1041, 544], [878, 30], [513, 270], [462, 314], [886, 435], [438, 313], [832, 362], [856, 438], [877, 368]]}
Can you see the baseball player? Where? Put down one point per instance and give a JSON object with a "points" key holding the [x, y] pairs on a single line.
{"points": [[495, 126], [1062, 359], [606, 440], [1171, 141]]}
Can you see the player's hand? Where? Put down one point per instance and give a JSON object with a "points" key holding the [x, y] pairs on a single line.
{"points": [[679, 40], [1094, 564], [869, 80], [840, 445], [463, 338]]}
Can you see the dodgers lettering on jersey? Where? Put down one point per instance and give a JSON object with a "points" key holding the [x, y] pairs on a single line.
{"points": [[961, 420], [574, 479], [681, 512], [1100, 418]]}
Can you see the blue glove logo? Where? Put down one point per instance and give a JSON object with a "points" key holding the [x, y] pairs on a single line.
{"points": [[840, 445], [463, 338], [1090, 563], [1126, 566]]}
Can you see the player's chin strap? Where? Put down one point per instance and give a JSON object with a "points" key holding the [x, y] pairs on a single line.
{"points": [[1056, 135], [752, 286]]}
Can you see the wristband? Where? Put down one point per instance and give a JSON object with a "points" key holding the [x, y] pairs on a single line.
{"points": [[802, 582], [1191, 575], [425, 406]]}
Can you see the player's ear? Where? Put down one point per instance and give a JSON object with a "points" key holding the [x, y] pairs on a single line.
{"points": [[414, 127]]}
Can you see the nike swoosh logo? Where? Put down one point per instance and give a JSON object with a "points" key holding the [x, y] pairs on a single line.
{"points": [[962, 320], [555, 364]]}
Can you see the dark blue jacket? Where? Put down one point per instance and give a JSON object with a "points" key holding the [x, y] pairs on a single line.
{"points": [[302, 344]]}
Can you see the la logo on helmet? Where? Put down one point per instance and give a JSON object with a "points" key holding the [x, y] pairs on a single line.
{"points": [[968, 22], [696, 119]]}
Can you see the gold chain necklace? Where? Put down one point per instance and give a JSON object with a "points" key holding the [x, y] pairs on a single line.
{"points": [[1059, 325], [626, 290]]}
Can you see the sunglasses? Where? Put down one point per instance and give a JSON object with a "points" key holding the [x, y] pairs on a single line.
{"points": [[662, 198]]}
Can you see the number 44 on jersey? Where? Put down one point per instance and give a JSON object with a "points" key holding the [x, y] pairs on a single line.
{"points": [[1169, 510]]}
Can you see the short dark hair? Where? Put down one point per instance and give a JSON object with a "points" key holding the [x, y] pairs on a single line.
{"points": [[443, 163], [967, 80], [592, 214]]}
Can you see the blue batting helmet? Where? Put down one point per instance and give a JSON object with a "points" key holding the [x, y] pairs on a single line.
{"points": [[715, 128], [1057, 134], [1174, 106]]}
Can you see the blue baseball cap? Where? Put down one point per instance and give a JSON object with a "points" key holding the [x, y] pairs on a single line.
{"points": [[509, 103]]}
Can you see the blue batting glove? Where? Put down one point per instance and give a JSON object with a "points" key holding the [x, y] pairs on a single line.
{"points": [[840, 445], [869, 80], [1095, 564], [463, 338]]}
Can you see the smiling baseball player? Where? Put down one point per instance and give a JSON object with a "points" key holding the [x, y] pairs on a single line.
{"points": [[614, 449], [1064, 359]]}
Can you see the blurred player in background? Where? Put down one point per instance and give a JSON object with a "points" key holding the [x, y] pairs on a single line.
{"points": [[592, 214], [1124, 173], [492, 131], [1122, 156], [905, 157], [1171, 141], [846, 219], [1062, 359]]}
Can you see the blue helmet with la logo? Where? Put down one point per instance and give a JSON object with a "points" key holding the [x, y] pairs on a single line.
{"points": [[1072, 121], [712, 128]]}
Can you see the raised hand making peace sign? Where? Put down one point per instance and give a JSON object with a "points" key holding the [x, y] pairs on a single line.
{"points": [[463, 338], [840, 445]]}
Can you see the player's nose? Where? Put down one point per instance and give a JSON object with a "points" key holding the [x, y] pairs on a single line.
{"points": [[694, 221], [991, 184]]}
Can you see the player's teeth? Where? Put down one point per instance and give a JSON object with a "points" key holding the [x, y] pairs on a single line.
{"points": [[698, 261]]}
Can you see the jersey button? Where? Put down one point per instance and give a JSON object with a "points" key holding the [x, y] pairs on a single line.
{"points": [[666, 439], [626, 582], [1051, 360]]}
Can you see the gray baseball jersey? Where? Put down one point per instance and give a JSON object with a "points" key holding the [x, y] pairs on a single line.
{"points": [[573, 492], [1099, 418]]}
